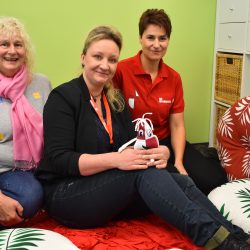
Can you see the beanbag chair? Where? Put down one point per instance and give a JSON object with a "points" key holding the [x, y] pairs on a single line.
{"points": [[33, 238], [233, 140], [233, 201]]}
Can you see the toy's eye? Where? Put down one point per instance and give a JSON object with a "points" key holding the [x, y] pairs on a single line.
{"points": [[149, 133], [140, 132]]}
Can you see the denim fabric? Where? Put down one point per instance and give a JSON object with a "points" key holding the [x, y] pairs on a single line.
{"points": [[206, 173], [23, 187], [91, 201], [201, 200]]}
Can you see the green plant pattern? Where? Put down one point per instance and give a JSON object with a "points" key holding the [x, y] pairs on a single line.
{"points": [[20, 238], [244, 195], [223, 211], [245, 180]]}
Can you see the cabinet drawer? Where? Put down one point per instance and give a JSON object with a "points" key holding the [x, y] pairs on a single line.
{"points": [[232, 36], [233, 11], [248, 37], [249, 12]]}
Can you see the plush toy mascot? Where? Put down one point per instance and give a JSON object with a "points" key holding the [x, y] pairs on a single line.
{"points": [[145, 138]]}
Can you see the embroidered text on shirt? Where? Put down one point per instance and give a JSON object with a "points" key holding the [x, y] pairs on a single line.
{"points": [[161, 100]]}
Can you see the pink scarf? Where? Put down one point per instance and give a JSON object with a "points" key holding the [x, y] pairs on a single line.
{"points": [[26, 121]]}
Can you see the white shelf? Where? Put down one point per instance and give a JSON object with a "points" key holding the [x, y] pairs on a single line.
{"points": [[232, 35]]}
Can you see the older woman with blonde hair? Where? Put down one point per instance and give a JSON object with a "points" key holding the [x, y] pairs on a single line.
{"points": [[22, 97]]}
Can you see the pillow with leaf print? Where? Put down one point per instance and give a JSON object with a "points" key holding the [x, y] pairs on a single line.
{"points": [[233, 201], [233, 140], [33, 239]]}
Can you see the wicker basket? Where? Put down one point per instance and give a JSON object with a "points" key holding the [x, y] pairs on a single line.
{"points": [[220, 110], [228, 77]]}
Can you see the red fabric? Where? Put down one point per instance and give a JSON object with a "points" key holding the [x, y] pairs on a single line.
{"points": [[150, 233], [161, 98], [233, 137]]}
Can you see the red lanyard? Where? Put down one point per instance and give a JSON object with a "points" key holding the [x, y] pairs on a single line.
{"points": [[107, 125]]}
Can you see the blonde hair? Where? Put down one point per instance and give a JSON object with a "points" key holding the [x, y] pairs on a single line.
{"points": [[12, 26], [101, 33]]}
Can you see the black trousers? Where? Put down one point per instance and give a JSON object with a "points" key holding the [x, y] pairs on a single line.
{"points": [[206, 173]]}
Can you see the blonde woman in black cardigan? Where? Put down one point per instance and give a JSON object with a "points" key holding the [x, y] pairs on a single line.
{"points": [[87, 182]]}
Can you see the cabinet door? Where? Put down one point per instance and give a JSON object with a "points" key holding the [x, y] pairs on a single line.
{"points": [[249, 14], [233, 11], [232, 36], [248, 37]]}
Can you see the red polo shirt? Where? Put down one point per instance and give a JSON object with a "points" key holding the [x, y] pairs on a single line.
{"points": [[162, 97]]}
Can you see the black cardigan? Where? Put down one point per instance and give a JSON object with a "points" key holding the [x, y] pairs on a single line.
{"points": [[70, 130]]}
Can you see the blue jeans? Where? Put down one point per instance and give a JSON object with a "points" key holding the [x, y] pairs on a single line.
{"points": [[91, 201], [206, 173], [23, 187]]}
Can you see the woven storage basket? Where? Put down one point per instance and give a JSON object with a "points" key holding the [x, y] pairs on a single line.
{"points": [[228, 77], [220, 110]]}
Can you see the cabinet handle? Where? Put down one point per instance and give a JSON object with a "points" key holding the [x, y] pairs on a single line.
{"points": [[231, 9], [229, 36]]}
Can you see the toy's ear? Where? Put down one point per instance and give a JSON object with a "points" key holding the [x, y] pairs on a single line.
{"points": [[152, 142]]}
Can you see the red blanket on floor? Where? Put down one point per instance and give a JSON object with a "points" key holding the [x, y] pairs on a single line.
{"points": [[150, 233]]}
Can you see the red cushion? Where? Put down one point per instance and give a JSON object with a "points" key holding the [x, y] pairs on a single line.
{"points": [[233, 136], [149, 233]]}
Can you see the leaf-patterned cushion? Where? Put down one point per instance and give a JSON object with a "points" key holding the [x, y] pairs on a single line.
{"points": [[33, 239], [233, 201], [233, 137]]}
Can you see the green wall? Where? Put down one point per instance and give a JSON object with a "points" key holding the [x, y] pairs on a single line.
{"points": [[58, 28]]}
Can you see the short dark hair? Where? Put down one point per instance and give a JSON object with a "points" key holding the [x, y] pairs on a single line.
{"points": [[156, 17]]}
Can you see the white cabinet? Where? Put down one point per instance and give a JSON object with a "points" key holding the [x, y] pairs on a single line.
{"points": [[232, 36], [248, 38], [232, 11], [249, 16], [232, 41]]}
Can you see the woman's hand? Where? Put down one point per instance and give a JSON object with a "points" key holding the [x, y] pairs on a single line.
{"points": [[181, 168], [132, 159], [10, 211], [157, 157]]}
